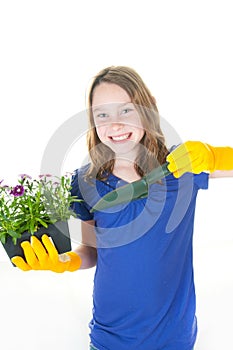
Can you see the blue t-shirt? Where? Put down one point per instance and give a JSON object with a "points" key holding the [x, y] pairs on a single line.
{"points": [[144, 294]]}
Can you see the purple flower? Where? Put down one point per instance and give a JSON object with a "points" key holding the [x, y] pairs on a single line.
{"points": [[17, 191], [23, 176], [45, 175]]}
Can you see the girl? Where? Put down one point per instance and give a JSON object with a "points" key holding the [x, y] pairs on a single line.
{"points": [[144, 294]]}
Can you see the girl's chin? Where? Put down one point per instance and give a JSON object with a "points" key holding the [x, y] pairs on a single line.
{"points": [[121, 150]]}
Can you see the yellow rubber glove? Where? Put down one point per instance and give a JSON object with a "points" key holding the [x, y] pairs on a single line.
{"points": [[45, 257], [196, 157]]}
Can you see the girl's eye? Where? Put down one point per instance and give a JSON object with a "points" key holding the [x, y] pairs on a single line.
{"points": [[102, 115], [126, 110]]}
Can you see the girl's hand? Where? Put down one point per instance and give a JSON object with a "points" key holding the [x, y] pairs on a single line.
{"points": [[45, 257], [196, 157]]}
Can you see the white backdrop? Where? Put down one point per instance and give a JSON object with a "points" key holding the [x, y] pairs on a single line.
{"points": [[50, 50]]}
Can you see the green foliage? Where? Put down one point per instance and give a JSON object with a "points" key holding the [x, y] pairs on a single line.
{"points": [[34, 203]]}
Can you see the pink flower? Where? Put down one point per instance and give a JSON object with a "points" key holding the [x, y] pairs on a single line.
{"points": [[45, 175], [23, 176]]}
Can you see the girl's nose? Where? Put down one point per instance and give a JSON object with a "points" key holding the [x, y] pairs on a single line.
{"points": [[117, 126]]}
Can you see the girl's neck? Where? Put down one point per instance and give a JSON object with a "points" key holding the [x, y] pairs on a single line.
{"points": [[124, 169]]}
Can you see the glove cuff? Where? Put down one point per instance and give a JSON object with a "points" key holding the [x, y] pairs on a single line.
{"points": [[223, 158], [75, 261]]}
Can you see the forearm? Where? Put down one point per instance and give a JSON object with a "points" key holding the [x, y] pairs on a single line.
{"points": [[88, 256], [221, 173]]}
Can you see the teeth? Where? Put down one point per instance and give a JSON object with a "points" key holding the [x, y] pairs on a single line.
{"points": [[120, 138]]}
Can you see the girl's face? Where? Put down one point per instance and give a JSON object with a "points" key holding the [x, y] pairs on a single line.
{"points": [[117, 122]]}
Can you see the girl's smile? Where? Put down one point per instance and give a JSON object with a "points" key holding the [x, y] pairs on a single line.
{"points": [[121, 138]]}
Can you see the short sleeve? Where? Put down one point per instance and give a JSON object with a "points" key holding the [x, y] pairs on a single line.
{"points": [[81, 208], [202, 180]]}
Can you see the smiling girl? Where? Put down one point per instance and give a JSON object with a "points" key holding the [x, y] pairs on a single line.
{"points": [[144, 293]]}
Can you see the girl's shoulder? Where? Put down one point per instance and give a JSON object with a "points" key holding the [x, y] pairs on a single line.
{"points": [[82, 171], [78, 181]]}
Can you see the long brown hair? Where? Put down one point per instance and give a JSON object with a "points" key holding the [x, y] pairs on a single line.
{"points": [[154, 151]]}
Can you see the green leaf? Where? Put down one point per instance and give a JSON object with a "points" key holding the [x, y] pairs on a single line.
{"points": [[3, 239], [32, 226], [14, 234], [43, 223]]}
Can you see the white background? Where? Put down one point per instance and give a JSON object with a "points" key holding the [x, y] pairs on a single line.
{"points": [[50, 50]]}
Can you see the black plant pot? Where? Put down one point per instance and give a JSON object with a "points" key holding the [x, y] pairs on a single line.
{"points": [[59, 232]]}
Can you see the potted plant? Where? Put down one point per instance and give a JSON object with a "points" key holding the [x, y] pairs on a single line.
{"points": [[35, 207]]}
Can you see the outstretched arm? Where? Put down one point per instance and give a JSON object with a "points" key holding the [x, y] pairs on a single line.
{"points": [[196, 157]]}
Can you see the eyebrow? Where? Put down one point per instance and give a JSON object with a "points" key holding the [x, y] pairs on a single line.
{"points": [[101, 107]]}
